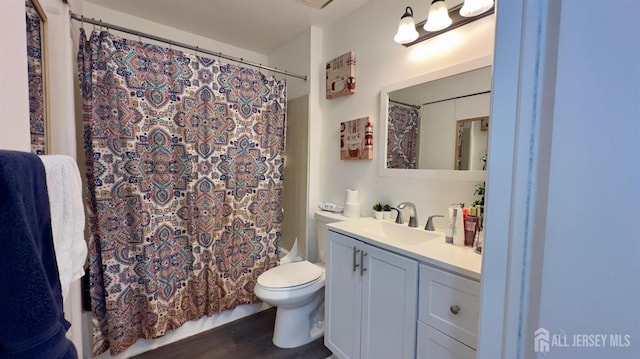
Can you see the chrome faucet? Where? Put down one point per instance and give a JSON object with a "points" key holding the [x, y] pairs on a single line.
{"points": [[399, 219], [413, 213], [430, 226]]}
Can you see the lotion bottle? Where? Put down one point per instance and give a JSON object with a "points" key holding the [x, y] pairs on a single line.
{"points": [[458, 228], [451, 222], [455, 229]]}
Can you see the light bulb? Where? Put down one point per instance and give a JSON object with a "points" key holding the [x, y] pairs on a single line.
{"points": [[438, 16], [475, 7], [406, 28]]}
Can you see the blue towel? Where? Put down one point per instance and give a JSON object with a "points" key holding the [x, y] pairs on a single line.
{"points": [[32, 323]]}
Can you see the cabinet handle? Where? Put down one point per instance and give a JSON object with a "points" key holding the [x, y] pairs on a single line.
{"points": [[362, 268], [454, 309], [355, 252]]}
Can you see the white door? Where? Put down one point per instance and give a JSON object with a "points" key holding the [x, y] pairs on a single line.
{"points": [[343, 296], [389, 312]]}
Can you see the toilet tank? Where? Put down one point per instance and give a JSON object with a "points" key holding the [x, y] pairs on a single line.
{"points": [[322, 219]]}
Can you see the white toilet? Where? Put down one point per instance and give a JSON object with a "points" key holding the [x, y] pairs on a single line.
{"points": [[297, 289]]}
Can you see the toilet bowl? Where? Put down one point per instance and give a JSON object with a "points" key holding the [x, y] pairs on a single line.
{"points": [[297, 290]]}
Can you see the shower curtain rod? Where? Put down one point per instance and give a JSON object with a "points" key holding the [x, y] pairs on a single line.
{"points": [[457, 97], [93, 21]]}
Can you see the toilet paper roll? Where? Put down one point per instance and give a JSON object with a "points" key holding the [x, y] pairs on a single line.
{"points": [[352, 196], [351, 210]]}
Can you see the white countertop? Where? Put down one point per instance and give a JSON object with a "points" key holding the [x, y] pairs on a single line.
{"points": [[436, 252]]}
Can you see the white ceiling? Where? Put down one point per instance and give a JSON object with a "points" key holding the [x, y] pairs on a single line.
{"points": [[261, 26]]}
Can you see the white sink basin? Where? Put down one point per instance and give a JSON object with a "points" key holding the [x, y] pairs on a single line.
{"points": [[423, 246], [390, 232]]}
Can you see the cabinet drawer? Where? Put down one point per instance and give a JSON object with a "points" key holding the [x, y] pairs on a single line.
{"points": [[434, 345], [450, 304]]}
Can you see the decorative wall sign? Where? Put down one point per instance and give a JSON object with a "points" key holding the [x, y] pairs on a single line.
{"points": [[356, 139], [341, 76]]}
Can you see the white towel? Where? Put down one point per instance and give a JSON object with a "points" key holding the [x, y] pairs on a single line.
{"points": [[67, 217]]}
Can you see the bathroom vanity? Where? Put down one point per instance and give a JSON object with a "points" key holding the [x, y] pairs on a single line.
{"points": [[399, 292]]}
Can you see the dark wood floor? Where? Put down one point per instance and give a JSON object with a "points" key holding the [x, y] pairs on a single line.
{"points": [[249, 337]]}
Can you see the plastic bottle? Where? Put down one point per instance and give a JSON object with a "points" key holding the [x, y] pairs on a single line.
{"points": [[471, 226], [455, 228], [451, 221], [458, 228]]}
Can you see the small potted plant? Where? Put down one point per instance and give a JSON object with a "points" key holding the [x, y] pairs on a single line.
{"points": [[377, 210], [480, 189], [386, 211]]}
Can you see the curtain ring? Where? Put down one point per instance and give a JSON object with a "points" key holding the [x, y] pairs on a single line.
{"points": [[82, 21], [196, 52]]}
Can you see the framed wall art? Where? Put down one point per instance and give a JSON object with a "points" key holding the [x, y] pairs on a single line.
{"points": [[341, 76], [356, 139]]}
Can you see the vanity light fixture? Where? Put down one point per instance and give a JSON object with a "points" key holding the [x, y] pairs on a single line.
{"points": [[475, 7], [440, 20], [407, 28]]}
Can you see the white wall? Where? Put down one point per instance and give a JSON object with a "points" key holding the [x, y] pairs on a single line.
{"points": [[294, 57], [589, 263], [437, 151], [380, 62], [14, 91], [566, 105]]}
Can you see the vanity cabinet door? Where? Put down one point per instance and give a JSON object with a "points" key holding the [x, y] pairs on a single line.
{"points": [[389, 297], [343, 296], [370, 301]]}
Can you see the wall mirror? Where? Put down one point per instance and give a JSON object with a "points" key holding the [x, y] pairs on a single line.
{"points": [[436, 125], [36, 64]]}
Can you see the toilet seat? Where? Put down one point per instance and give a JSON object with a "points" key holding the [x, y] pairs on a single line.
{"points": [[291, 275]]}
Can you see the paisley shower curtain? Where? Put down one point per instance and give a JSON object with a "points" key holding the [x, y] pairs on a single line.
{"points": [[35, 70], [185, 159], [402, 138]]}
